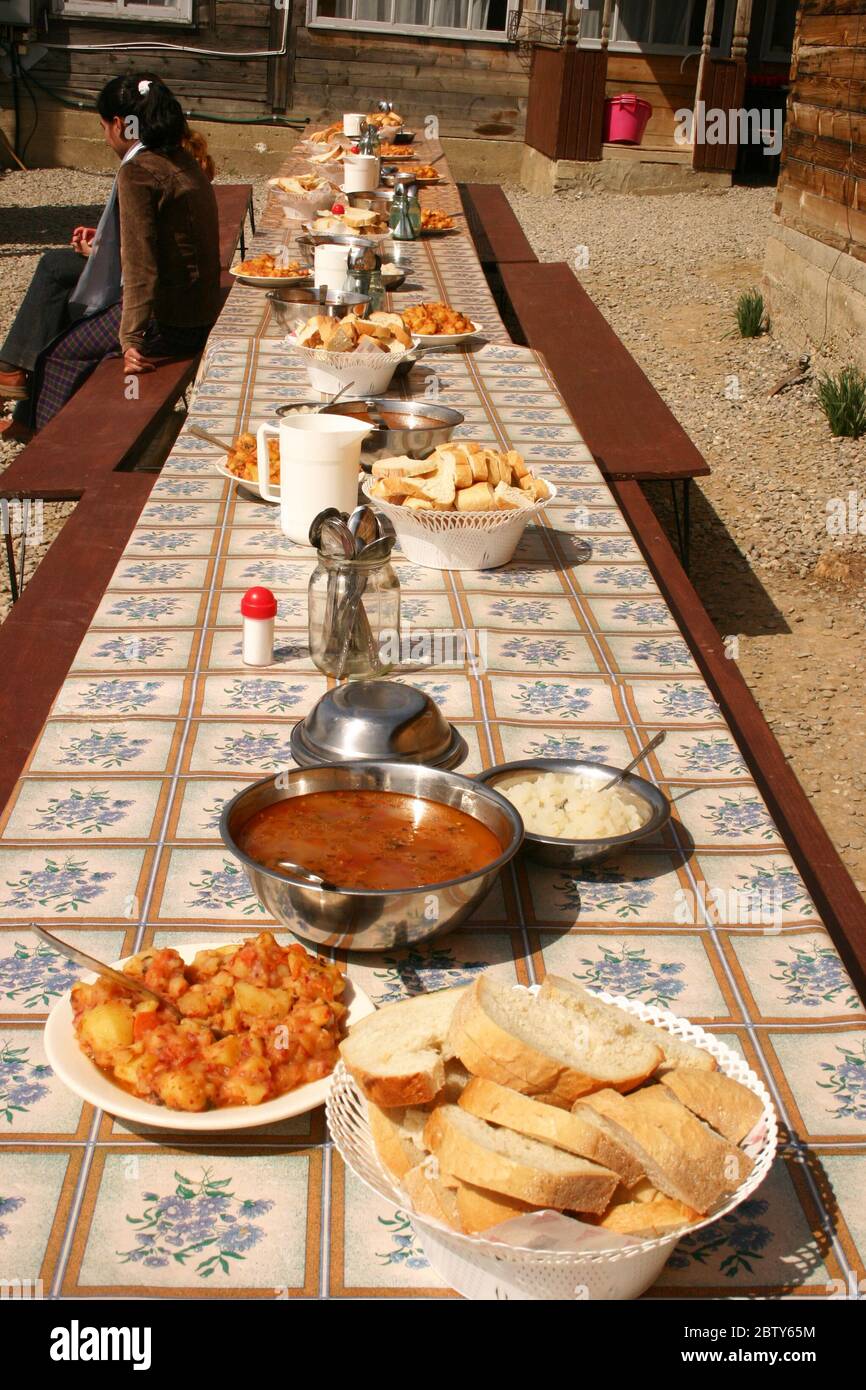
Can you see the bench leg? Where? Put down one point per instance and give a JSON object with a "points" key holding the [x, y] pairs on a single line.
{"points": [[10, 552], [683, 524]]}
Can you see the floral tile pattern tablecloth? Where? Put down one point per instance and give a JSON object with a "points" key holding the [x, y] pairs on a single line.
{"points": [[111, 837]]}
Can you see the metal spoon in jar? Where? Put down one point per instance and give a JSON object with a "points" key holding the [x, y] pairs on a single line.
{"points": [[639, 757], [107, 972]]}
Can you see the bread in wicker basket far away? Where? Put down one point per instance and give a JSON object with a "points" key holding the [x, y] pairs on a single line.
{"points": [[486, 1102]]}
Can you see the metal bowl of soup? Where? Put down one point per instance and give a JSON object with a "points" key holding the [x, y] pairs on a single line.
{"points": [[410, 850], [294, 307], [410, 427]]}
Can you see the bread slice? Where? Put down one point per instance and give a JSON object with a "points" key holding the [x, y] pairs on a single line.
{"points": [[503, 1162], [730, 1108], [675, 1051], [688, 1177], [648, 1219], [729, 1164], [396, 1054], [511, 498], [501, 1106], [535, 1045], [397, 1137], [430, 1197], [479, 1209], [403, 466]]}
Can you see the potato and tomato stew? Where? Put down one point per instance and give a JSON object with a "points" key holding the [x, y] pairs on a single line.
{"points": [[277, 1008]]}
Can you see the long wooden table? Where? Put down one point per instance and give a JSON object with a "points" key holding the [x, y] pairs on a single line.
{"points": [[110, 837]]}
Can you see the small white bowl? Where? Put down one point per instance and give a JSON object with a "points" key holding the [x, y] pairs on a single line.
{"points": [[82, 1076]]}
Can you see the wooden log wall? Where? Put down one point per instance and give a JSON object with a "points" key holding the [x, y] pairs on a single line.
{"points": [[822, 187], [474, 88]]}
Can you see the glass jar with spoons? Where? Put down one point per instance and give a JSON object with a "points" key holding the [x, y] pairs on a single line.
{"points": [[354, 594]]}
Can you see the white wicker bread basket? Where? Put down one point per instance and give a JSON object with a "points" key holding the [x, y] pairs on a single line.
{"points": [[300, 207], [458, 540], [484, 1269], [369, 372]]}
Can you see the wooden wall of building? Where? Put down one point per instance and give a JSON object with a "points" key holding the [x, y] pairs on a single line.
{"points": [[664, 81], [822, 187], [474, 88], [226, 86]]}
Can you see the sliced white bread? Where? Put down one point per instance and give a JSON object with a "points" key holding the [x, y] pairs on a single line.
{"points": [[535, 1045], [648, 1219], [430, 1197], [504, 1162], [668, 1166], [731, 1165], [676, 1052], [501, 1106], [480, 1209], [398, 1132], [730, 1108], [396, 1054], [397, 1136]]}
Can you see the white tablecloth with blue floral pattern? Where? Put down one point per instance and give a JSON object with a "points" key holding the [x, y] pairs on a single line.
{"points": [[111, 839]]}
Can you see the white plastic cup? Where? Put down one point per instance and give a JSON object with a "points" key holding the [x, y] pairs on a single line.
{"points": [[360, 173], [330, 266], [352, 122], [320, 458]]}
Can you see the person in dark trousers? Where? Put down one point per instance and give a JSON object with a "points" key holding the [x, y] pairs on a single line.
{"points": [[144, 283]]}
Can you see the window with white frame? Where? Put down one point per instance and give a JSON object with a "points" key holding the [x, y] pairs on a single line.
{"points": [[155, 11], [655, 26], [460, 19]]}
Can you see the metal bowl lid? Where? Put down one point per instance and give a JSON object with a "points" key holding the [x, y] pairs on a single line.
{"points": [[380, 720]]}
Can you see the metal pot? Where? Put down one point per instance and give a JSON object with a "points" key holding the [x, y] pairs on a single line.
{"points": [[358, 919]]}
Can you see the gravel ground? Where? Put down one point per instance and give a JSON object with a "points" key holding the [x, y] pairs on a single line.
{"points": [[666, 272], [39, 209]]}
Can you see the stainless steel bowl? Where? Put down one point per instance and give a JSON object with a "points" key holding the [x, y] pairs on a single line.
{"points": [[415, 438], [384, 720], [567, 854], [355, 919], [306, 243], [291, 307]]}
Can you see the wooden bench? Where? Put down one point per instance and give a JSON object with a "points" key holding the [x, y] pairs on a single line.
{"points": [[632, 433], [493, 225], [109, 430], [499, 240]]}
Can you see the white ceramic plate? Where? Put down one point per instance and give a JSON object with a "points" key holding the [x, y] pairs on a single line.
{"points": [[87, 1081], [270, 282], [251, 484], [445, 339]]}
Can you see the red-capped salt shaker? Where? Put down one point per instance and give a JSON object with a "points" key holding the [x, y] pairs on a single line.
{"points": [[258, 609]]}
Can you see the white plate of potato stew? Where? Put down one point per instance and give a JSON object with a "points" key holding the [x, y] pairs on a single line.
{"points": [[281, 1013]]}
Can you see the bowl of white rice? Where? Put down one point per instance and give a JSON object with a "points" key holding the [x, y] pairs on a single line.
{"points": [[568, 819]]}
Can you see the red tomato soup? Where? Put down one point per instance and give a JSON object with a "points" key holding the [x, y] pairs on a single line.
{"points": [[370, 839]]}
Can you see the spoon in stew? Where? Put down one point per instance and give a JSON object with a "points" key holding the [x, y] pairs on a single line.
{"points": [[288, 869], [116, 977]]}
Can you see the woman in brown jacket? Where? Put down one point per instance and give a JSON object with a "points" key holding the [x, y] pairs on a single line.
{"points": [[150, 287]]}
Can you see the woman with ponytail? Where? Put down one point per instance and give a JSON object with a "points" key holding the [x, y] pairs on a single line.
{"points": [[144, 283]]}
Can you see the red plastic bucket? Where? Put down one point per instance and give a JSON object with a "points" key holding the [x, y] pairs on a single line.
{"points": [[625, 119]]}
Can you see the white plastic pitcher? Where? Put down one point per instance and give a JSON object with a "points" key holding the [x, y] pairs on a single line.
{"points": [[360, 173], [330, 266], [352, 122], [320, 459]]}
